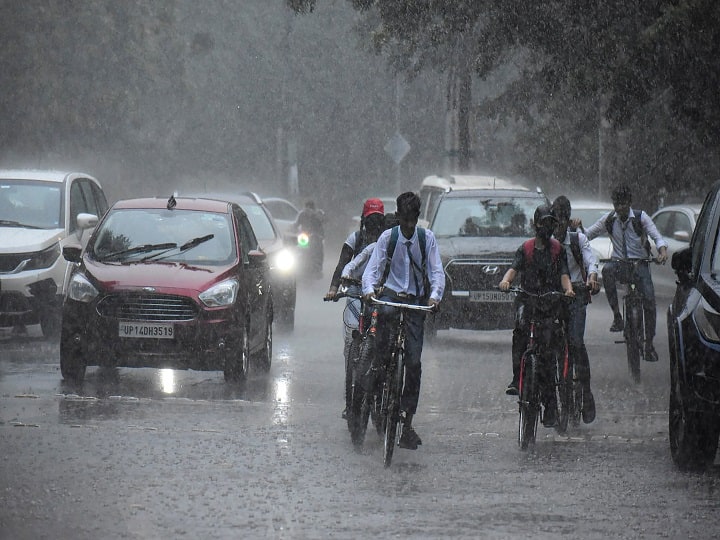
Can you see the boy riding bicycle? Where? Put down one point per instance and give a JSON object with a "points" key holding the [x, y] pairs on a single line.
{"points": [[406, 265], [543, 267]]}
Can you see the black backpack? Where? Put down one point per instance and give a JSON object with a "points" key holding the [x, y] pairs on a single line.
{"points": [[636, 223]]}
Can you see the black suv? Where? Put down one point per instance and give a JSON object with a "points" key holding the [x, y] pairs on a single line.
{"points": [[478, 232], [693, 320]]}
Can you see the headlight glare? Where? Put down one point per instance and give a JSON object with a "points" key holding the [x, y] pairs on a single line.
{"points": [[284, 260], [221, 294]]}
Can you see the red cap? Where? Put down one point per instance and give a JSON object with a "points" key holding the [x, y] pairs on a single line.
{"points": [[373, 206]]}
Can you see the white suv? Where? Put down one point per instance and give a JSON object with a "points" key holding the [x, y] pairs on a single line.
{"points": [[40, 211]]}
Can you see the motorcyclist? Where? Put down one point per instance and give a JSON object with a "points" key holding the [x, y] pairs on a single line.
{"points": [[402, 278], [311, 221], [545, 270], [371, 225], [583, 268], [628, 230]]}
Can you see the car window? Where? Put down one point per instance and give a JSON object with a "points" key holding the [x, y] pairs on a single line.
{"points": [[281, 210], [261, 224], [664, 223], [700, 233], [491, 216], [248, 241], [90, 202], [682, 223], [100, 200], [130, 228], [31, 203]]}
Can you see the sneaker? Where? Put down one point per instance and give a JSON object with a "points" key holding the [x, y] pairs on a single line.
{"points": [[512, 388], [617, 325], [650, 353], [549, 417], [409, 439], [588, 406]]}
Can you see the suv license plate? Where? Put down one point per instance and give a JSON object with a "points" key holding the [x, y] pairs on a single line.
{"points": [[491, 296], [146, 330]]}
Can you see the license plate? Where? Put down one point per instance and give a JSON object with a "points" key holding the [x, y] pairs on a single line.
{"points": [[146, 330], [490, 296]]}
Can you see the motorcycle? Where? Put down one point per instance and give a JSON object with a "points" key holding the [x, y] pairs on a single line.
{"points": [[309, 254]]}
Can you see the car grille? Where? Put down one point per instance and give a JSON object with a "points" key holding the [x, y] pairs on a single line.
{"points": [[476, 275], [148, 307]]}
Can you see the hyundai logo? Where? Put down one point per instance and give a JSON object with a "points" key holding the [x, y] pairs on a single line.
{"points": [[490, 270]]}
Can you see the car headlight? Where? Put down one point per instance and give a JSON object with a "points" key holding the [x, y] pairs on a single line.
{"points": [[707, 321], [81, 289], [222, 294], [43, 259], [284, 260]]}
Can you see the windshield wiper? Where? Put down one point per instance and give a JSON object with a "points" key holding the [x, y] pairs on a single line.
{"points": [[187, 245], [10, 223], [139, 249]]}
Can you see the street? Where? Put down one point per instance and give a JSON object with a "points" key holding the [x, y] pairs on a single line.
{"points": [[146, 453]]}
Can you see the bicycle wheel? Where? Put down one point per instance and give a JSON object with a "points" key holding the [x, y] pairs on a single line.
{"points": [[529, 401], [563, 389], [392, 419], [634, 336], [352, 382]]}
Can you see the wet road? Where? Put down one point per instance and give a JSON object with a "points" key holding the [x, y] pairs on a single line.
{"points": [[144, 453]]}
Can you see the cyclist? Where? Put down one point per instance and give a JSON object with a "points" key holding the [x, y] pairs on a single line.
{"points": [[311, 220], [583, 268], [629, 229], [371, 225], [543, 267], [406, 273], [356, 267]]}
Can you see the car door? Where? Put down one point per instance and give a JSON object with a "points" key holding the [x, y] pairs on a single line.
{"points": [[253, 281]]}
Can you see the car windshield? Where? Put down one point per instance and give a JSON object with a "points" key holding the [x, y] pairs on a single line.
{"points": [[588, 216], [260, 222], [196, 237], [491, 216], [28, 203]]}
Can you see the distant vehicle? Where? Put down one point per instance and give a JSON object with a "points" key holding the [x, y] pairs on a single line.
{"points": [[434, 187], [478, 232], [284, 213], [676, 223], [168, 283], [693, 320], [40, 212], [282, 257]]}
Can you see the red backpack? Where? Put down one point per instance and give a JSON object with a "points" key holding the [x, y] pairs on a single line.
{"points": [[555, 249]]}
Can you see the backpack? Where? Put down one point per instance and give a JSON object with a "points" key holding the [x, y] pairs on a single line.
{"points": [[555, 249], [636, 222], [577, 253], [394, 235]]}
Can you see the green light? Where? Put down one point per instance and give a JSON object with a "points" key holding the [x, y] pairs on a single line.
{"points": [[303, 239]]}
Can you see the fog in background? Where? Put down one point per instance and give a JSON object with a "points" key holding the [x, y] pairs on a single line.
{"points": [[157, 96]]}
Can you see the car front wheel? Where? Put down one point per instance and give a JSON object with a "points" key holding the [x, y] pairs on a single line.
{"points": [[237, 360]]}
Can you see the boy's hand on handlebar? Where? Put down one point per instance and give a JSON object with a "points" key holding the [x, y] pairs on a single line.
{"points": [[435, 304], [504, 285], [331, 293], [569, 292], [366, 298], [593, 284], [662, 255]]}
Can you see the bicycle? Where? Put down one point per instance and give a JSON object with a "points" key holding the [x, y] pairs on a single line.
{"points": [[350, 288], [391, 372], [634, 333], [542, 364], [573, 393]]}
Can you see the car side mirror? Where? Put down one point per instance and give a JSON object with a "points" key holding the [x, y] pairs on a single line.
{"points": [[681, 236], [72, 254], [86, 221], [681, 263], [257, 258]]}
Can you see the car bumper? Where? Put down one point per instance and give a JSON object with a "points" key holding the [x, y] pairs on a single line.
{"points": [[23, 300], [200, 343]]}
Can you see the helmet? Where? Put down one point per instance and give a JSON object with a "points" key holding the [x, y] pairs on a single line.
{"points": [[373, 206], [543, 213]]}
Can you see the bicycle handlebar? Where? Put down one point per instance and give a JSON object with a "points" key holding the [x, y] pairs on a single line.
{"points": [[548, 294], [400, 305], [632, 261], [344, 291]]}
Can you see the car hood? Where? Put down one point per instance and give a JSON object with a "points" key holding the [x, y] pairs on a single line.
{"points": [[21, 240], [470, 246], [162, 276]]}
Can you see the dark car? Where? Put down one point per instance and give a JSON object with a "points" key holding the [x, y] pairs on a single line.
{"points": [[168, 283], [478, 232], [693, 320]]}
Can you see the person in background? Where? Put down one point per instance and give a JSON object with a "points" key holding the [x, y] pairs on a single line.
{"points": [[409, 272], [583, 268], [629, 230], [311, 221]]}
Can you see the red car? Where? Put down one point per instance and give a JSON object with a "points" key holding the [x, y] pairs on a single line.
{"points": [[168, 283]]}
